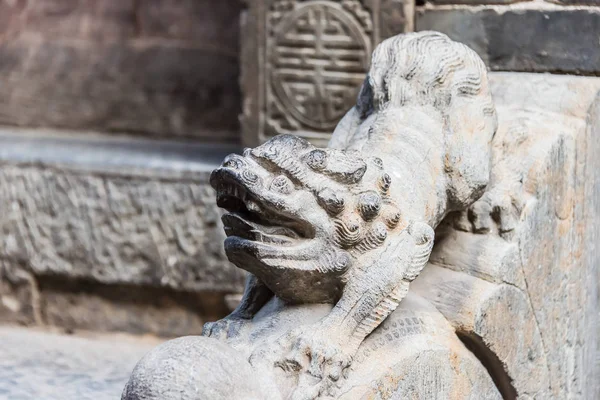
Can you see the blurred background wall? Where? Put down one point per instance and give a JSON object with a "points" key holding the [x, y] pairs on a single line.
{"points": [[114, 112], [112, 115], [150, 68]]}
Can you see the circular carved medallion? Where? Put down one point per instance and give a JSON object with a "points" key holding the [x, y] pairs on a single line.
{"points": [[319, 59]]}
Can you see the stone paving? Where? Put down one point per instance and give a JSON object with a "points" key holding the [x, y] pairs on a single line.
{"points": [[37, 365]]}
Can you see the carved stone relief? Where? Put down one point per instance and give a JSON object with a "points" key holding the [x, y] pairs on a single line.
{"points": [[318, 58], [304, 62]]}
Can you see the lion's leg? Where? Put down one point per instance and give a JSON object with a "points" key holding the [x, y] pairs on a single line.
{"points": [[366, 302], [321, 354], [324, 351], [372, 294], [256, 295]]}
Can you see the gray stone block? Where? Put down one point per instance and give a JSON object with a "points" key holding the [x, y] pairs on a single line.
{"points": [[530, 38], [474, 2], [133, 220]]}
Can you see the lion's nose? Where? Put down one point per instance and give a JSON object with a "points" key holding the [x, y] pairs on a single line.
{"points": [[234, 161], [239, 169]]}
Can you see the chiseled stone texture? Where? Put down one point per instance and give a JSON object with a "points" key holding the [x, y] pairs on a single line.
{"points": [[85, 223], [113, 229], [529, 37], [43, 365], [157, 68]]}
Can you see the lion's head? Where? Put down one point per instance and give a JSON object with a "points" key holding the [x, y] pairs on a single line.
{"points": [[299, 216]]}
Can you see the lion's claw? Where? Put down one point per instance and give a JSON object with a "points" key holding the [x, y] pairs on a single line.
{"points": [[319, 361], [225, 328], [498, 210]]}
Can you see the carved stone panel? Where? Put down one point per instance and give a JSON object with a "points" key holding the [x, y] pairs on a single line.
{"points": [[304, 61]]}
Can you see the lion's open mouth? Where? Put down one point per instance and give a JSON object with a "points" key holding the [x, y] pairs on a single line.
{"points": [[249, 219]]}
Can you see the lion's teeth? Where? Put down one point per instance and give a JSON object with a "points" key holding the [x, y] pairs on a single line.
{"points": [[257, 235], [252, 206], [233, 190]]}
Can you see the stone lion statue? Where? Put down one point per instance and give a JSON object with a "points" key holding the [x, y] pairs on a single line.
{"points": [[332, 237], [353, 224]]}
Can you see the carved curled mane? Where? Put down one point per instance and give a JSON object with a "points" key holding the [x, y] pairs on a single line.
{"points": [[439, 83], [402, 73]]}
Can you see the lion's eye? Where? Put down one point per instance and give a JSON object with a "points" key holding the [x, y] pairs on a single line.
{"points": [[282, 184]]}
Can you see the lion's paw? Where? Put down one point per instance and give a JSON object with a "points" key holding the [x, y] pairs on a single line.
{"points": [[319, 360], [225, 328], [498, 210]]}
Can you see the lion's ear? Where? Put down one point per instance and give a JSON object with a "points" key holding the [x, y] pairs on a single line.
{"points": [[423, 236], [345, 130]]}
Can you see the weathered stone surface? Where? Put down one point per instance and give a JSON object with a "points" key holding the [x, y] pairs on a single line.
{"points": [[556, 256], [87, 221], [310, 59], [591, 243], [529, 38], [510, 295], [122, 66], [543, 181], [127, 223], [113, 229], [479, 310], [495, 258], [43, 365]]}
